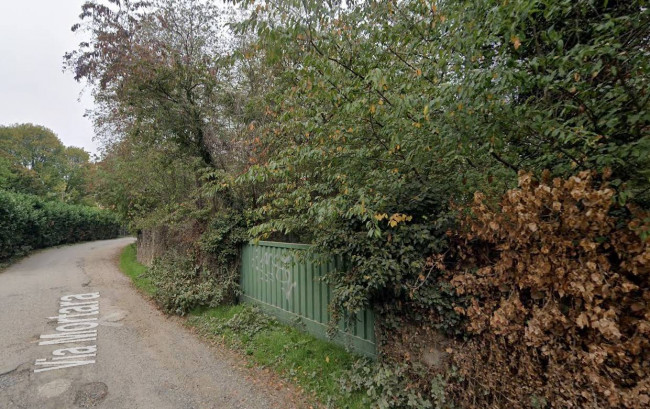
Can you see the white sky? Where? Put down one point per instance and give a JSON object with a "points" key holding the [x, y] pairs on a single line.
{"points": [[34, 35]]}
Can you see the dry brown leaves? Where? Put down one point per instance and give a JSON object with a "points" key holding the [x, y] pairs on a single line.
{"points": [[560, 302]]}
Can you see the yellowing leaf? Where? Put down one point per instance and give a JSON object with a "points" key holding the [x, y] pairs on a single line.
{"points": [[515, 41], [327, 359], [373, 109]]}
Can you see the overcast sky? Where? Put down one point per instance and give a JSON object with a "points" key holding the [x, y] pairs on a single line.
{"points": [[34, 35]]}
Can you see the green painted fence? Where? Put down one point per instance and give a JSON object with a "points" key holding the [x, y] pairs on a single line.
{"points": [[285, 283]]}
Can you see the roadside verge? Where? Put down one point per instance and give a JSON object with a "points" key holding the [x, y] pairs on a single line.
{"points": [[314, 366]]}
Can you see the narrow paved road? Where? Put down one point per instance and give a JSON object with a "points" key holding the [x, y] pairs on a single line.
{"points": [[75, 334]]}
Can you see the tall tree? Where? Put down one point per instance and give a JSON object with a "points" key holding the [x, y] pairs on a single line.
{"points": [[36, 157], [76, 175], [32, 146], [157, 69]]}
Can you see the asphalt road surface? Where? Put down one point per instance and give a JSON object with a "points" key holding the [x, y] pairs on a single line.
{"points": [[75, 334]]}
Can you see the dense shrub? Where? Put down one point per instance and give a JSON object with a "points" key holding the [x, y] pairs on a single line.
{"points": [[400, 385], [28, 222], [195, 257], [558, 280], [374, 123], [386, 111], [183, 284], [223, 238], [250, 321]]}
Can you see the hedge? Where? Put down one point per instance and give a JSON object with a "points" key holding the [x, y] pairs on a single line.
{"points": [[28, 222]]}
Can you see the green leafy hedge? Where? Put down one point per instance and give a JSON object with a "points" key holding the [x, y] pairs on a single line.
{"points": [[28, 222]]}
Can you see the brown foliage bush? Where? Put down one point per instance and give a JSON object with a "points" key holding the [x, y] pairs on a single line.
{"points": [[559, 307]]}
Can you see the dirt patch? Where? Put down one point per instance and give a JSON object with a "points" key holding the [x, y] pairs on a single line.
{"points": [[90, 394]]}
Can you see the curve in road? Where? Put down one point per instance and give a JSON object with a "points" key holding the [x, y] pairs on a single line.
{"points": [[74, 333]]}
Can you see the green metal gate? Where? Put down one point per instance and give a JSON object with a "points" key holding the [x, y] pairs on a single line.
{"points": [[283, 282]]}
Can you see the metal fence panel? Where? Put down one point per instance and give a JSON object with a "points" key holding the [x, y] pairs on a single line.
{"points": [[285, 282]]}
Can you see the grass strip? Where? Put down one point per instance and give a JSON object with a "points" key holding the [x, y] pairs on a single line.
{"points": [[313, 364], [136, 271], [316, 366]]}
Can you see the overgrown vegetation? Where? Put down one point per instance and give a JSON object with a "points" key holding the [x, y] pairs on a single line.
{"points": [[388, 111], [315, 365], [28, 222], [558, 279], [182, 285], [365, 128], [392, 386]]}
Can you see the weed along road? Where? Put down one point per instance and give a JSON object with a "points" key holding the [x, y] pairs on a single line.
{"points": [[74, 333]]}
